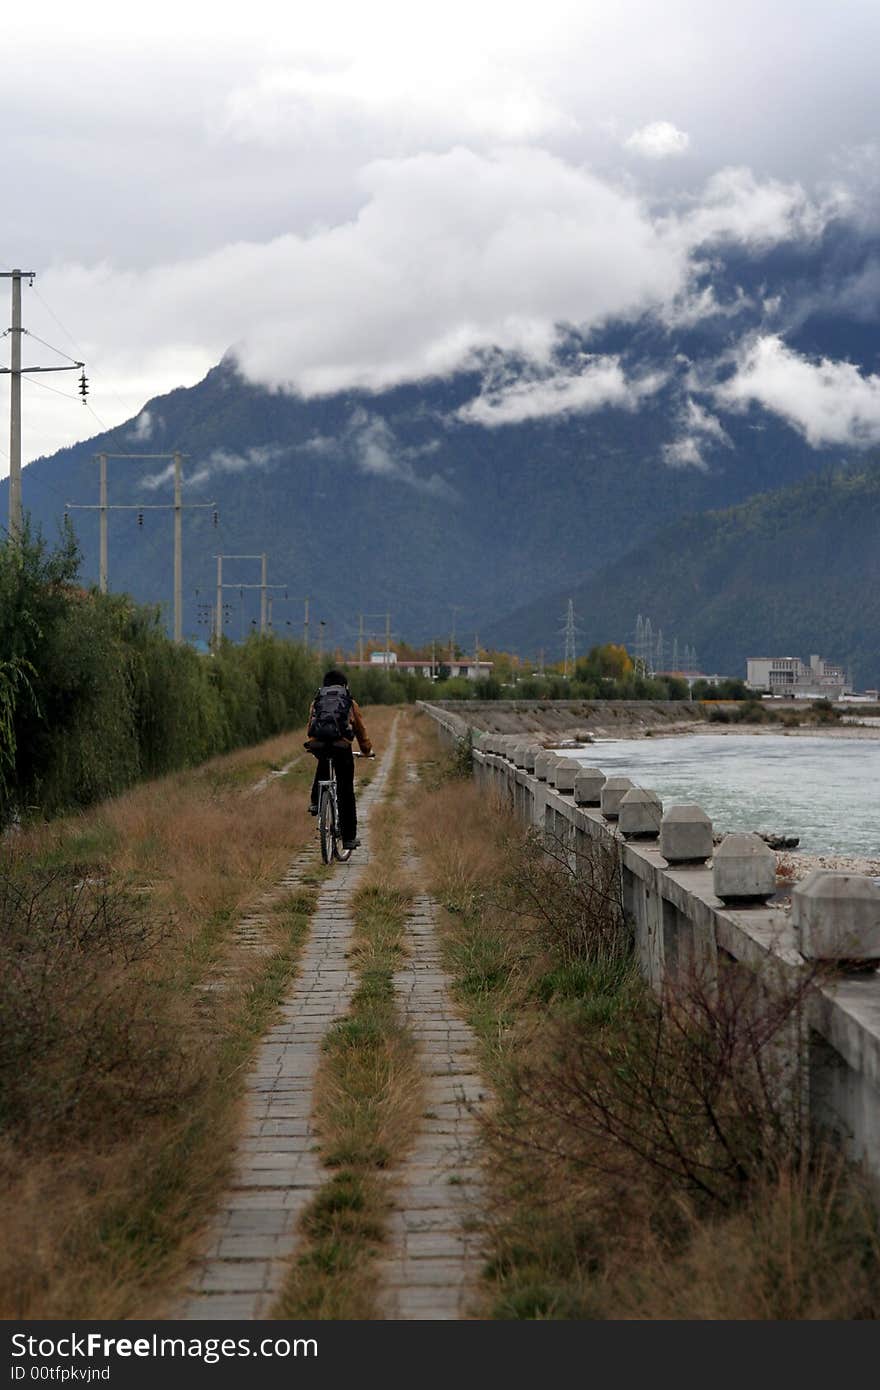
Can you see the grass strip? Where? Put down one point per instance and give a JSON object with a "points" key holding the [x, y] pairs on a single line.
{"points": [[368, 1099]]}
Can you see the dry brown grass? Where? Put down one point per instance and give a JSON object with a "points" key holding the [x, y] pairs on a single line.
{"points": [[599, 1164], [100, 1217]]}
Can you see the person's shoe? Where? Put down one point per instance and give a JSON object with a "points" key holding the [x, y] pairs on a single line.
{"points": [[313, 808], [350, 844]]}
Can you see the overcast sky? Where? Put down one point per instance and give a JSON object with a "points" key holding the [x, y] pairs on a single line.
{"points": [[354, 195]]}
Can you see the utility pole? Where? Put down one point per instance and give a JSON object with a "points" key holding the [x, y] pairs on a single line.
{"points": [[361, 640], [15, 371], [387, 640], [271, 600], [476, 656], [178, 548], [218, 611], [433, 658], [102, 523], [455, 608], [263, 587], [178, 507], [15, 411]]}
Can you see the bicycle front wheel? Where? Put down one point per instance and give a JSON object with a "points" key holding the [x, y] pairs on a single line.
{"points": [[325, 825]]}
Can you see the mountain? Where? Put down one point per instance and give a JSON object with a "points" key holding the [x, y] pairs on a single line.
{"points": [[408, 501], [390, 502], [790, 572]]}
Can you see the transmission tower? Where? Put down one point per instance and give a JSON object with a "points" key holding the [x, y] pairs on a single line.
{"points": [[649, 647], [569, 632], [640, 643]]}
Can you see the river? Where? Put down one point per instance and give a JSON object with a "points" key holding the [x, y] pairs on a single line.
{"points": [[826, 790]]}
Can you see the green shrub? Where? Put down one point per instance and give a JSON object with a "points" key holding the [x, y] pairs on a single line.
{"points": [[93, 695]]}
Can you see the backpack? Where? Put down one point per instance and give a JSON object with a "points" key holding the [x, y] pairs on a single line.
{"points": [[330, 718]]}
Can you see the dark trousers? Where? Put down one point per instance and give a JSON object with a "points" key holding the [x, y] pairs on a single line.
{"points": [[343, 762]]}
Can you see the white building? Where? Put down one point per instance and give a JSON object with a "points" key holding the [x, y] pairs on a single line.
{"points": [[788, 675], [465, 666]]}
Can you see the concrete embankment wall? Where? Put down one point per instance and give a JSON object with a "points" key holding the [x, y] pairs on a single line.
{"points": [[566, 718], [833, 1040]]}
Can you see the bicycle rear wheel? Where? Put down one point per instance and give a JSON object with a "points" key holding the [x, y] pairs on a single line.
{"points": [[325, 825]]}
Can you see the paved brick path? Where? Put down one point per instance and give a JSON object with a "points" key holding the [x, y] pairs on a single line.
{"points": [[254, 1233], [435, 1254]]}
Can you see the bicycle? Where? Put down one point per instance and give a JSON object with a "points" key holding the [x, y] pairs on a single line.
{"points": [[328, 819]]}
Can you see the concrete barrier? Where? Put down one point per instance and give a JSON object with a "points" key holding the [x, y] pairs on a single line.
{"points": [[542, 764], [686, 835], [669, 895], [566, 771], [588, 786], [613, 792], [641, 812], [838, 917], [744, 868]]}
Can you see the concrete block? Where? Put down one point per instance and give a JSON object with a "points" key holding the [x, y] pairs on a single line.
{"points": [[613, 792], [519, 755], [744, 867], [542, 764], [641, 812], [529, 752], [686, 835], [837, 915], [553, 761], [566, 770], [588, 786]]}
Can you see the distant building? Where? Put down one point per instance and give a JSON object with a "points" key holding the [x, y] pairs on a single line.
{"points": [[465, 666], [788, 675]]}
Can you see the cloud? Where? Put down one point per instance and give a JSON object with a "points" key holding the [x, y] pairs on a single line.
{"points": [[828, 402], [600, 382], [377, 451], [221, 461], [450, 256], [699, 430], [349, 105], [658, 140], [142, 429], [737, 206]]}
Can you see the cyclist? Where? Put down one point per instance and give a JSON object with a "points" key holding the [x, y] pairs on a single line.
{"points": [[334, 723]]}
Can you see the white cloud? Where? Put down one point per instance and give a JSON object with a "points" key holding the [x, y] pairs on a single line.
{"points": [[828, 402], [737, 206], [699, 430], [451, 255], [316, 133], [600, 382], [221, 461], [658, 140], [142, 429], [353, 105], [377, 450]]}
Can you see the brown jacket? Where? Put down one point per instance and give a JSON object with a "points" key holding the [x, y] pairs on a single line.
{"points": [[357, 724]]}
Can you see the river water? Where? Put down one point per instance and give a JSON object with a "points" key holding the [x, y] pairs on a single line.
{"points": [[826, 790]]}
